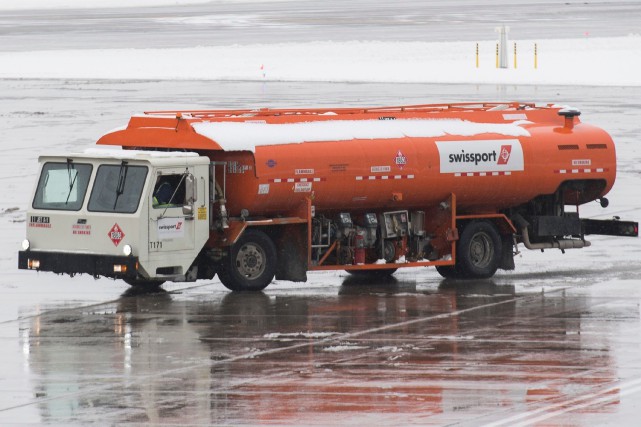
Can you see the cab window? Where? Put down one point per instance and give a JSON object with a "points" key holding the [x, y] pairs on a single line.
{"points": [[62, 186], [169, 191], [117, 188]]}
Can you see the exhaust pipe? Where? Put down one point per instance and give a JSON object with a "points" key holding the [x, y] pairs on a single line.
{"points": [[561, 244], [557, 244]]}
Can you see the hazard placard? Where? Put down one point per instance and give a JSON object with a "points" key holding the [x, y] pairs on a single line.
{"points": [[116, 234]]}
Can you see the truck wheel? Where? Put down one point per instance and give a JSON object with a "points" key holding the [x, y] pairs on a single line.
{"points": [[251, 263], [478, 251]]}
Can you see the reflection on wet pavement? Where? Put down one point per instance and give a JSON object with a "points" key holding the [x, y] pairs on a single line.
{"points": [[387, 352]]}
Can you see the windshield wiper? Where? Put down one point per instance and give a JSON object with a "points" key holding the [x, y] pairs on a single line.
{"points": [[72, 181], [122, 177]]}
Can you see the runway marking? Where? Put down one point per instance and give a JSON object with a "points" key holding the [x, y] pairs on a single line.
{"points": [[570, 405], [349, 335]]}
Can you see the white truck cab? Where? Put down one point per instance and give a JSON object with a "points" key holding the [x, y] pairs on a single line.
{"points": [[141, 216]]}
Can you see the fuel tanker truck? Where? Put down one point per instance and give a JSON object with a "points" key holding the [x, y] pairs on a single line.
{"points": [[253, 195]]}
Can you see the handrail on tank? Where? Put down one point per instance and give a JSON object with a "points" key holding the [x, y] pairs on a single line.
{"points": [[462, 106]]}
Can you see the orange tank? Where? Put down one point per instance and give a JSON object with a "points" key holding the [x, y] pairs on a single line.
{"points": [[492, 156], [370, 190]]}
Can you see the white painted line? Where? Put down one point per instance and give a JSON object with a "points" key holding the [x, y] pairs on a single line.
{"points": [[569, 405]]}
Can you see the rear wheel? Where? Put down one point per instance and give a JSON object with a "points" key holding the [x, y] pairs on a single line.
{"points": [[251, 263], [478, 251]]}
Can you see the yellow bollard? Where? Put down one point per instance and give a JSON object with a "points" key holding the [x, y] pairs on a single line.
{"points": [[477, 55], [515, 55], [536, 61], [497, 55]]}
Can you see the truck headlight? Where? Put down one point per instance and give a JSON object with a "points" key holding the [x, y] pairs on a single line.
{"points": [[26, 245], [127, 250]]}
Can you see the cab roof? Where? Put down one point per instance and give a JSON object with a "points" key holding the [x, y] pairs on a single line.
{"points": [[156, 158]]}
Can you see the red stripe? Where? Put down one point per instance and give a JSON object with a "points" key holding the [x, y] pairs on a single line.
{"points": [[495, 173], [581, 170], [290, 180]]}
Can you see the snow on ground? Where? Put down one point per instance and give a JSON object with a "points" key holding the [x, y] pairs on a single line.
{"points": [[90, 4], [614, 61]]}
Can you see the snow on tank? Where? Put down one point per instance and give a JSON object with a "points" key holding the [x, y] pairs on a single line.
{"points": [[235, 136], [244, 130]]}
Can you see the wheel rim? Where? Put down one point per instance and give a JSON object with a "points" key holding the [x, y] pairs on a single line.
{"points": [[481, 250], [250, 261]]}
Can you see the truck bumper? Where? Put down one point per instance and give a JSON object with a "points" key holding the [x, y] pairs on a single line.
{"points": [[610, 227], [120, 267]]}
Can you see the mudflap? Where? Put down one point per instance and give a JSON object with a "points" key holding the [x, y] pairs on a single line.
{"points": [[291, 241], [507, 255]]}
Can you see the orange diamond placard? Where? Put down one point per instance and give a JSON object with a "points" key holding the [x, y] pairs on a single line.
{"points": [[116, 234]]}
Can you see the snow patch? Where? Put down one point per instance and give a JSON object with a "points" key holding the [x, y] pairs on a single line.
{"points": [[390, 349], [91, 4], [345, 347], [128, 154], [451, 337], [246, 136]]}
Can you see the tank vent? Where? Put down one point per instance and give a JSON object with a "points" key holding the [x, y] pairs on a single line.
{"points": [[569, 114]]}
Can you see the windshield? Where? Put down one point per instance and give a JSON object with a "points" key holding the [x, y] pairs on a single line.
{"points": [[117, 188], [62, 186]]}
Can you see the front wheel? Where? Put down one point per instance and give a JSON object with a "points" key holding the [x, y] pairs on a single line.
{"points": [[478, 251], [250, 264]]}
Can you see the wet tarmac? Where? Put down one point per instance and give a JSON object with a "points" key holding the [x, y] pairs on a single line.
{"points": [[554, 343], [405, 351]]}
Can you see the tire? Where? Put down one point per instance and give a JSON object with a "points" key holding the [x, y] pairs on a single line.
{"points": [[250, 264], [478, 251], [372, 273]]}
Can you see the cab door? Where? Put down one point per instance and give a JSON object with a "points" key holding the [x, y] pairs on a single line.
{"points": [[171, 225]]}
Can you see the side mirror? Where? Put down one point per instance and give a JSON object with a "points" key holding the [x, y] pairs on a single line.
{"points": [[191, 191], [188, 210]]}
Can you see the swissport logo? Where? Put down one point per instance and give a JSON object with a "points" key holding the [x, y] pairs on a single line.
{"points": [[480, 156], [504, 155], [170, 228], [176, 226]]}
